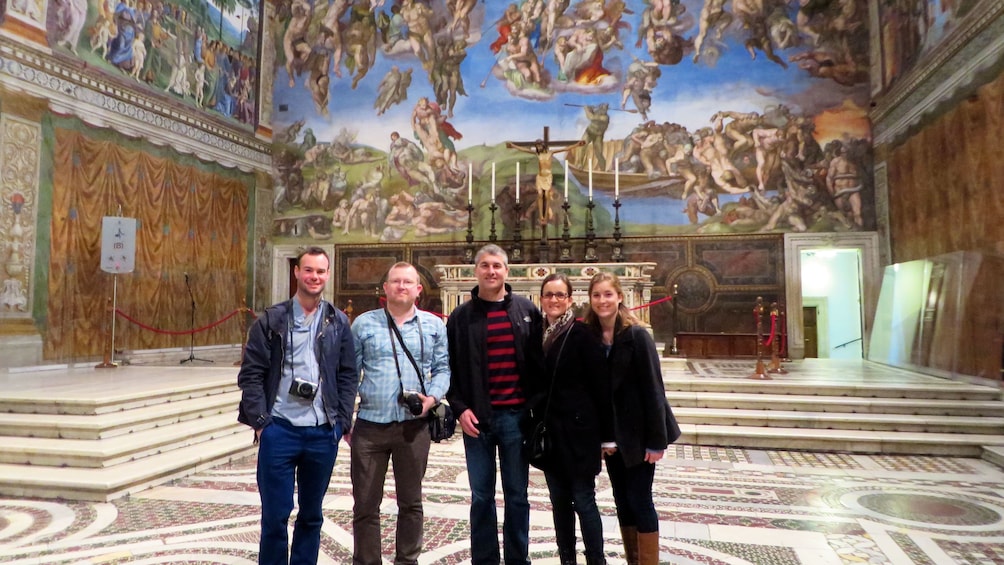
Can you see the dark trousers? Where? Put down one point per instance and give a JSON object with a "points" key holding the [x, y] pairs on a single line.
{"points": [[373, 446], [304, 454], [571, 496], [632, 488]]}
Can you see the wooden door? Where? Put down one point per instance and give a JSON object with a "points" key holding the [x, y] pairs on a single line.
{"points": [[809, 331]]}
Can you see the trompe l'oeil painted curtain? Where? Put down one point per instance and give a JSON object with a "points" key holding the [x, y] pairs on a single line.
{"points": [[190, 221]]}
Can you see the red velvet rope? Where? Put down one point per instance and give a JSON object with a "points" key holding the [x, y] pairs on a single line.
{"points": [[653, 303], [773, 327], [182, 332]]}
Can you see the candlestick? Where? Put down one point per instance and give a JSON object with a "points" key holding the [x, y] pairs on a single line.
{"points": [[566, 180], [470, 182], [590, 179], [493, 181], [517, 182], [617, 179]]}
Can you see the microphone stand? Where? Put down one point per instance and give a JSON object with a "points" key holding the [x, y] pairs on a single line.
{"points": [[191, 354]]}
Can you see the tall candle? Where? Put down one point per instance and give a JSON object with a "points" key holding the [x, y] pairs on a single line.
{"points": [[470, 182], [566, 179], [617, 179], [493, 181], [517, 182], [590, 179]]}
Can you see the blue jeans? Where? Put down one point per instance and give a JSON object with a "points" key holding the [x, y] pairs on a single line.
{"points": [[632, 488], [571, 496], [308, 454], [505, 437]]}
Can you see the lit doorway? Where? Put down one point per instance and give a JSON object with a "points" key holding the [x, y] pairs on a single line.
{"points": [[831, 290], [853, 274]]}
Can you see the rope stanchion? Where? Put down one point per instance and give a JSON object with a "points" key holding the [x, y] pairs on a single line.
{"points": [[760, 373], [106, 362], [775, 357]]}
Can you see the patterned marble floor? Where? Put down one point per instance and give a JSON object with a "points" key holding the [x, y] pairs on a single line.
{"points": [[717, 506]]}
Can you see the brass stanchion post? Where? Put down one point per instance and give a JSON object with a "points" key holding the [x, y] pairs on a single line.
{"points": [[106, 362], [775, 342], [760, 371]]}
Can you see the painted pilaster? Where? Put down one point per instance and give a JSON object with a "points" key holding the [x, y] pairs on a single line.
{"points": [[20, 155]]}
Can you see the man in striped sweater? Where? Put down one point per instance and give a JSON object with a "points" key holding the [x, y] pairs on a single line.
{"points": [[495, 364]]}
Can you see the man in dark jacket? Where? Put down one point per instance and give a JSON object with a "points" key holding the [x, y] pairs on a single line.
{"points": [[495, 360], [299, 381]]}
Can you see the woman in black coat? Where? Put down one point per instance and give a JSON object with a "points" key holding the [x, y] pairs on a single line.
{"points": [[577, 416], [641, 417]]}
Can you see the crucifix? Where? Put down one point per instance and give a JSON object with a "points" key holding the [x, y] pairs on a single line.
{"points": [[545, 177]]}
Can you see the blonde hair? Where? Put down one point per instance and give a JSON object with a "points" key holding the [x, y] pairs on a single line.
{"points": [[625, 318]]}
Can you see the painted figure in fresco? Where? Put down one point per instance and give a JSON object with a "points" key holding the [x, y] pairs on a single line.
{"points": [[545, 176], [393, 29], [704, 200], [753, 16], [294, 41], [332, 31], [681, 163], [798, 204], [461, 10], [642, 78], [138, 55], [581, 57], [768, 143], [739, 130], [417, 17], [447, 80], [361, 41], [844, 182], [407, 158], [437, 217], [120, 47], [362, 213], [713, 20], [66, 20], [393, 89], [504, 27], [521, 58], [823, 64], [434, 132], [712, 151], [341, 214], [553, 10], [599, 121]]}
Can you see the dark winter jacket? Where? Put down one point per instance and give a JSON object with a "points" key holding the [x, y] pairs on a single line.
{"points": [[579, 414], [638, 395], [467, 331], [260, 372]]}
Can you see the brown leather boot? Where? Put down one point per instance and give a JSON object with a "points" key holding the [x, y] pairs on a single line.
{"points": [[630, 536], [648, 548]]}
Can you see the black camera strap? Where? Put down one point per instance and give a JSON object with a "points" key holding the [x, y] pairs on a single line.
{"points": [[392, 327]]}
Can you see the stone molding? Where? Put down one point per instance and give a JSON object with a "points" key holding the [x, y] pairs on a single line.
{"points": [[71, 91]]}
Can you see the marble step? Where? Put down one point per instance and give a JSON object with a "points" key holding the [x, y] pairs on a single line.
{"points": [[971, 424], [104, 484], [835, 404], [849, 441], [993, 454], [119, 422], [943, 391], [90, 398], [108, 452]]}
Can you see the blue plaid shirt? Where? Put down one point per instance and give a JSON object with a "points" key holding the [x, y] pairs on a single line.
{"points": [[379, 385]]}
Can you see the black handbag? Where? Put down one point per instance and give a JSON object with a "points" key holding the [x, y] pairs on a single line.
{"points": [[442, 422]]}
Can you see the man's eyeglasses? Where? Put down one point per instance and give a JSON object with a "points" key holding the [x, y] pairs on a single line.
{"points": [[406, 283], [558, 295]]}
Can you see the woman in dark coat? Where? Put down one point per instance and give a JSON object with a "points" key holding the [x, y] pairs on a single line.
{"points": [[641, 417], [578, 421]]}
